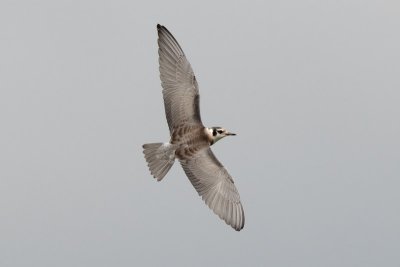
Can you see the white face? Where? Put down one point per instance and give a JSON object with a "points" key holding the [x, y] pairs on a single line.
{"points": [[218, 133]]}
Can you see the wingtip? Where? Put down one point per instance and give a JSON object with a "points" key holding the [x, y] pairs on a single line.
{"points": [[238, 228], [158, 26]]}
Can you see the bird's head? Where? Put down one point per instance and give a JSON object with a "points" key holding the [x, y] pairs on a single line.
{"points": [[217, 133]]}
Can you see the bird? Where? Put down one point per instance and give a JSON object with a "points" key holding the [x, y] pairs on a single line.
{"points": [[190, 140]]}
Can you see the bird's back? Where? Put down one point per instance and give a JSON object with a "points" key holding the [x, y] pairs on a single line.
{"points": [[189, 140]]}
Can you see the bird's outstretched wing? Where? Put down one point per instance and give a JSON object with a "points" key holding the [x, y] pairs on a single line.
{"points": [[215, 186], [180, 89]]}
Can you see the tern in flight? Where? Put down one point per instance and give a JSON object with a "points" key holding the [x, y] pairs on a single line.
{"points": [[190, 140]]}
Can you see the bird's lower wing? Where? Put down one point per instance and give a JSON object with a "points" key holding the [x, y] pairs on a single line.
{"points": [[215, 186]]}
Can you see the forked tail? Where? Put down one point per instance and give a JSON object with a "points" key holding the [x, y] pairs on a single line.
{"points": [[160, 157]]}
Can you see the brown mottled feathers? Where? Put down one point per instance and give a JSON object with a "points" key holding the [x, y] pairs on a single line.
{"points": [[191, 138]]}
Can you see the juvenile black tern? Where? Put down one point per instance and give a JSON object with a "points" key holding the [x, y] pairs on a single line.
{"points": [[190, 141]]}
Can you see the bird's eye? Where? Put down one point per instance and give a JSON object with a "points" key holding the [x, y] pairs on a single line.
{"points": [[214, 132], [220, 131]]}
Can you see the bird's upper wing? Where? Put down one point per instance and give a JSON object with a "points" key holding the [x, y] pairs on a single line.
{"points": [[180, 89], [215, 186]]}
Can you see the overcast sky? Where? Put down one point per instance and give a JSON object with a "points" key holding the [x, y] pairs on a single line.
{"points": [[312, 88]]}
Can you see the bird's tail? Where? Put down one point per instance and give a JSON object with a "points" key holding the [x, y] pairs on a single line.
{"points": [[160, 157]]}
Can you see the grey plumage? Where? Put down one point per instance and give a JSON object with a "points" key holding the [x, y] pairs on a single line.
{"points": [[190, 141], [181, 92], [160, 157], [215, 186]]}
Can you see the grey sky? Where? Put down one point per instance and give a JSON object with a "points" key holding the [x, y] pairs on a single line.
{"points": [[311, 88]]}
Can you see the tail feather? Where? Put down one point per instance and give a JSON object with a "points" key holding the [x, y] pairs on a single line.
{"points": [[160, 157]]}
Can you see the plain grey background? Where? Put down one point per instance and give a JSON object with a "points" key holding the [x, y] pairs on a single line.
{"points": [[311, 88]]}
